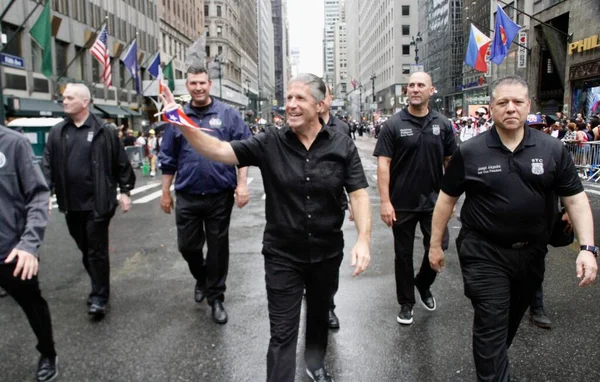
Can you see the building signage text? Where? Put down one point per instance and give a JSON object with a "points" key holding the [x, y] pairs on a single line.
{"points": [[589, 43]]}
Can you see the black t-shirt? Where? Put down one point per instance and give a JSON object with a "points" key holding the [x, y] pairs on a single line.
{"points": [[80, 181], [511, 195], [417, 147], [129, 140], [303, 187], [201, 110]]}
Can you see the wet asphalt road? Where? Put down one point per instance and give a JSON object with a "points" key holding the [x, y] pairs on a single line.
{"points": [[155, 332]]}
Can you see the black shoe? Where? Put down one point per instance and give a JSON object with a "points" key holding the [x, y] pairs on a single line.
{"points": [[219, 314], [3, 293], [199, 295], [334, 322], [97, 309], [405, 317], [47, 369], [319, 375], [539, 318], [427, 299], [89, 301]]}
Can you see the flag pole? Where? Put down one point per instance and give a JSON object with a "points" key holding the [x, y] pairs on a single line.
{"points": [[86, 46], [567, 35], [111, 62], [491, 30]]}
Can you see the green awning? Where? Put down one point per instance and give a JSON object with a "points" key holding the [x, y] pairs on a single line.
{"points": [[31, 107], [133, 113], [112, 111]]}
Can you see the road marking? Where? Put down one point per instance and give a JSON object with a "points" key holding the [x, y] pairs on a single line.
{"points": [[593, 191], [264, 197], [144, 188], [151, 196], [593, 185], [250, 181], [374, 177]]}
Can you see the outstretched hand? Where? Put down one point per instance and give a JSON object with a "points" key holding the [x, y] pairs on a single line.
{"points": [[167, 99], [27, 264]]}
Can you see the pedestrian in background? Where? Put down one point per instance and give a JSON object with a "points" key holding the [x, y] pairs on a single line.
{"points": [[84, 162], [412, 151], [152, 152], [305, 167], [205, 190], [23, 218], [510, 176]]}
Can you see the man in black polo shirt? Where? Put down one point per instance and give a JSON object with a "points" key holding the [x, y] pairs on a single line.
{"points": [[84, 161], [509, 176], [412, 150], [305, 168], [341, 127]]}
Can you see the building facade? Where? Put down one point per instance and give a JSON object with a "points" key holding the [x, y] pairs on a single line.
{"points": [[74, 27], [266, 59], [332, 17], [340, 74], [181, 23], [249, 36], [353, 91]]}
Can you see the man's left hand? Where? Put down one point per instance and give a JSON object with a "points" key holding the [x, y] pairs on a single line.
{"points": [[361, 257], [242, 195], [587, 268], [125, 203], [27, 264]]}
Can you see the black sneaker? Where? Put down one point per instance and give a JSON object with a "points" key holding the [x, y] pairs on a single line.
{"points": [[47, 369], [3, 293], [199, 295], [539, 318], [319, 375], [427, 299], [405, 317]]}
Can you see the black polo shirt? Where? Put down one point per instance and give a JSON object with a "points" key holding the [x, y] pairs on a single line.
{"points": [[80, 181], [417, 147], [303, 211], [338, 125], [510, 195]]}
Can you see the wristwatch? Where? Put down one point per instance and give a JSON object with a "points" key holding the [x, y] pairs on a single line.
{"points": [[590, 248]]}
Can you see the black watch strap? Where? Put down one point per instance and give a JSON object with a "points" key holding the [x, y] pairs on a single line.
{"points": [[590, 248]]}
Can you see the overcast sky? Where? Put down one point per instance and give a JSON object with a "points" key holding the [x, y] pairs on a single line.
{"points": [[306, 19]]}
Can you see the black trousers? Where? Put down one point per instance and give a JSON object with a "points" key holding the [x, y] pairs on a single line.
{"points": [[205, 219], [404, 239], [91, 237], [28, 295], [286, 281], [501, 283]]}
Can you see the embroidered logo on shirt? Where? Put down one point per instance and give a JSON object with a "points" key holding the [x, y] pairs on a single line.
{"points": [[215, 123], [435, 129], [489, 169], [537, 166], [90, 136], [2, 159], [406, 133]]}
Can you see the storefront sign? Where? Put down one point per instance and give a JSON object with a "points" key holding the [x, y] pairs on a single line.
{"points": [[522, 55], [479, 82], [589, 43]]}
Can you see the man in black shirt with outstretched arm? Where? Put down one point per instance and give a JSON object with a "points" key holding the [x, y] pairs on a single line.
{"points": [[412, 150], [305, 167]]}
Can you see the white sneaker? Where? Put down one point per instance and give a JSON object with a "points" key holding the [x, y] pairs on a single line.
{"points": [[153, 173]]}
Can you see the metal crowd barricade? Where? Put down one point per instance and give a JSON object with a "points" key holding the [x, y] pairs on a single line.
{"points": [[135, 155], [586, 157]]}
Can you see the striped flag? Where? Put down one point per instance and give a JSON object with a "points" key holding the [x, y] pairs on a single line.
{"points": [[156, 71], [100, 51], [176, 116]]}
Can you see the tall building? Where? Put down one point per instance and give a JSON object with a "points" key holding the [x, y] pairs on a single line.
{"points": [[332, 17], [181, 23], [285, 50], [249, 35], [340, 54], [266, 59], [29, 93], [354, 94], [224, 50], [384, 63], [295, 61], [442, 50], [278, 25]]}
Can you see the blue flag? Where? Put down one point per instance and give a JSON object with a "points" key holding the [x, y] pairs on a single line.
{"points": [[505, 32], [131, 63]]}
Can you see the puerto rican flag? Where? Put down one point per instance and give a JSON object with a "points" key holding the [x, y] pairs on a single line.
{"points": [[177, 117]]}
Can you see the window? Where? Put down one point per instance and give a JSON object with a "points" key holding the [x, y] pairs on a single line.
{"points": [[218, 11], [219, 50], [14, 47], [405, 30], [405, 68], [61, 54], [207, 51], [406, 10], [405, 50], [219, 31], [206, 10], [207, 29]]}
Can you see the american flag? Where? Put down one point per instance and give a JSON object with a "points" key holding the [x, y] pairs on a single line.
{"points": [[100, 51], [176, 116]]}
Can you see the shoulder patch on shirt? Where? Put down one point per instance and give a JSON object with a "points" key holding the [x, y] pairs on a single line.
{"points": [[435, 129], [537, 166]]}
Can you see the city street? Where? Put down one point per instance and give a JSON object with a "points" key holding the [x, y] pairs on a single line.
{"points": [[154, 330]]}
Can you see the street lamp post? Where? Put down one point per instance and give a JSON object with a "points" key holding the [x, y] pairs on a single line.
{"points": [[373, 77], [247, 81], [360, 105], [415, 42]]}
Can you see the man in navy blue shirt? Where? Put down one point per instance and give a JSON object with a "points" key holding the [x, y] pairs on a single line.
{"points": [[205, 190]]}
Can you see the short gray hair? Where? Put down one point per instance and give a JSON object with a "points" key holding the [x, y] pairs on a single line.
{"points": [[82, 89], [316, 85], [197, 69], [508, 80]]}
